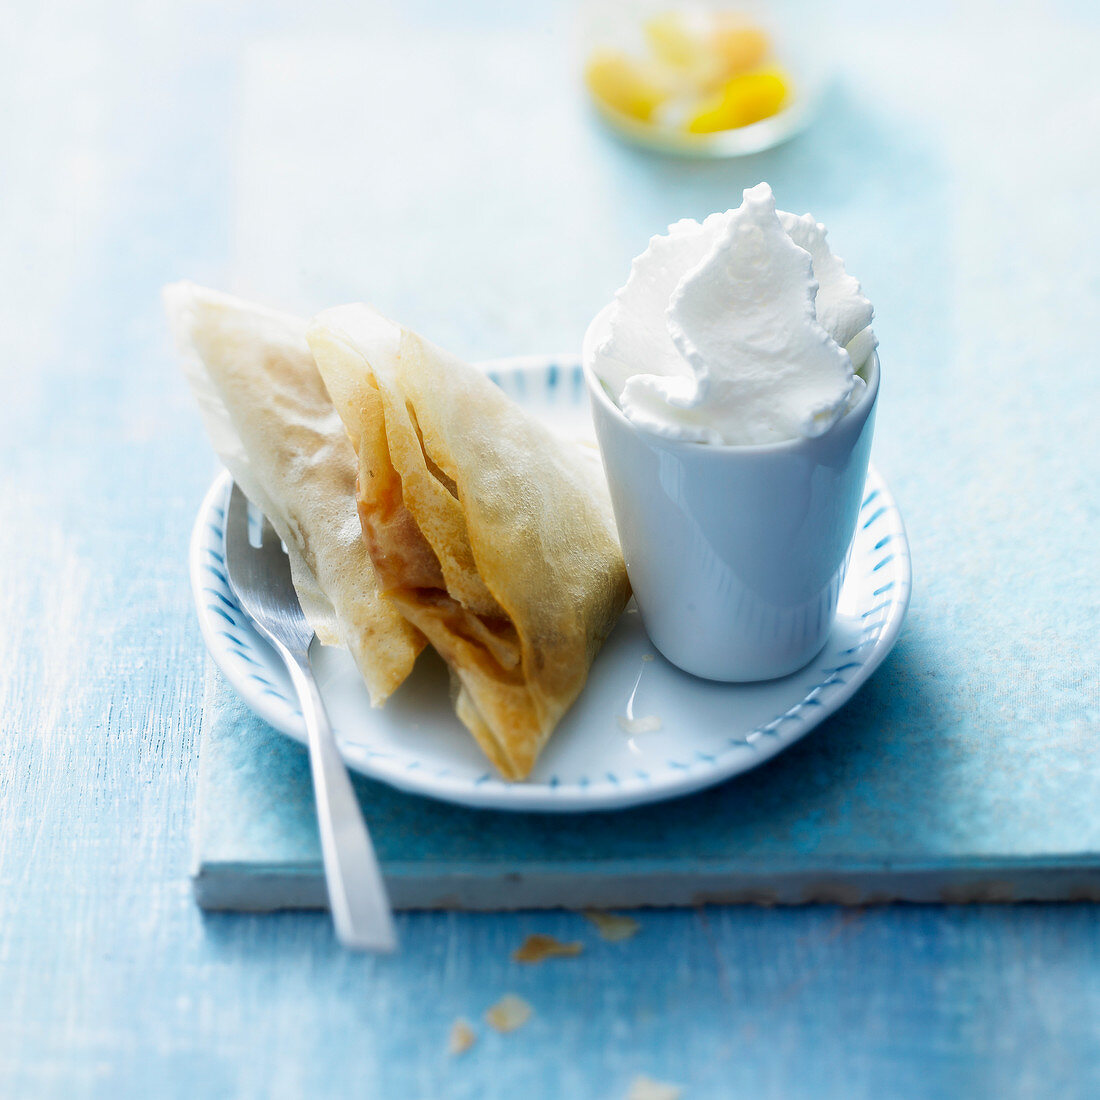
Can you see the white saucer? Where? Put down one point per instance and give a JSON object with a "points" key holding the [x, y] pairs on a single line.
{"points": [[641, 731]]}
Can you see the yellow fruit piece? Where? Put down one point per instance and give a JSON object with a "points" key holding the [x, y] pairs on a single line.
{"points": [[673, 41], [740, 48], [742, 101], [623, 84]]}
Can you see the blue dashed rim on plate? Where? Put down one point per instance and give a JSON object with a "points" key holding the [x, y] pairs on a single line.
{"points": [[642, 731]]}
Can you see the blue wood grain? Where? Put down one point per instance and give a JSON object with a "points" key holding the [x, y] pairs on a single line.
{"points": [[753, 839], [955, 167]]}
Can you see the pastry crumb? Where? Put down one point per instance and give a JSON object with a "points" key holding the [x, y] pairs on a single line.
{"points": [[645, 1088], [649, 724], [613, 927], [538, 947], [509, 1013], [462, 1037]]}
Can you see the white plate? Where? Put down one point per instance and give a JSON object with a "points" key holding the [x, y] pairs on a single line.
{"points": [[604, 755]]}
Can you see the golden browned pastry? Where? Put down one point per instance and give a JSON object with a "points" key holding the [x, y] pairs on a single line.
{"points": [[494, 537], [273, 424]]}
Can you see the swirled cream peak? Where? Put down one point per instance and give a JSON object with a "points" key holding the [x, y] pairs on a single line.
{"points": [[744, 329]]}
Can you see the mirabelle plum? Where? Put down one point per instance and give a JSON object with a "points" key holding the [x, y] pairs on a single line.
{"points": [[675, 41], [740, 47], [742, 101], [627, 86]]}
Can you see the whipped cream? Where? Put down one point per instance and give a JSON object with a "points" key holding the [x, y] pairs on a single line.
{"points": [[744, 329]]}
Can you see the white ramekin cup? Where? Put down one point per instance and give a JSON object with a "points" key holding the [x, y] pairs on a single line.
{"points": [[736, 554]]}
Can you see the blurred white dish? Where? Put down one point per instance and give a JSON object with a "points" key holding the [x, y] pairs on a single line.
{"points": [[801, 50]]}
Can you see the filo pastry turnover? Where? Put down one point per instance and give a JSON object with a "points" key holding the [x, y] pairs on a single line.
{"points": [[273, 425], [493, 536]]}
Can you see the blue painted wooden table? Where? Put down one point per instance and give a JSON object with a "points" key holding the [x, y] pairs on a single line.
{"points": [[438, 160]]}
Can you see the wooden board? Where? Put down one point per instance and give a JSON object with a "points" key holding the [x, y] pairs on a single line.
{"points": [[784, 834]]}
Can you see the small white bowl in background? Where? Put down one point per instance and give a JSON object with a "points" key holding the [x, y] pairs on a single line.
{"points": [[802, 49]]}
